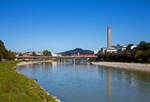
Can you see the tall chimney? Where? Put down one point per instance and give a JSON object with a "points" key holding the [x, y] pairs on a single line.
{"points": [[109, 28]]}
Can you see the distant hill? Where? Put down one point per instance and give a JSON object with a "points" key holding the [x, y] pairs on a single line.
{"points": [[76, 51]]}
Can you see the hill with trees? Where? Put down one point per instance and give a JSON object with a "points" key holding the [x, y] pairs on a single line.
{"points": [[77, 51]]}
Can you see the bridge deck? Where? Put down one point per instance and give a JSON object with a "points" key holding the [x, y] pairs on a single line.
{"points": [[57, 57]]}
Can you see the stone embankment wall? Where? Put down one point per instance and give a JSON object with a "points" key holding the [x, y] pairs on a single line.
{"points": [[130, 66]]}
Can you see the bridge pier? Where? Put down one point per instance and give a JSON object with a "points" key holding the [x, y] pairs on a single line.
{"points": [[59, 60], [74, 61], [44, 59]]}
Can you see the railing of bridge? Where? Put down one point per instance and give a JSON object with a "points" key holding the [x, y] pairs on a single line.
{"points": [[67, 57]]}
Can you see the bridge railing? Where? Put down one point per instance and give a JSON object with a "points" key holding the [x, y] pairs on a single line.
{"points": [[67, 57]]}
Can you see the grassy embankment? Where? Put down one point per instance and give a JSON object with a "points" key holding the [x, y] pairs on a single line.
{"points": [[15, 87]]}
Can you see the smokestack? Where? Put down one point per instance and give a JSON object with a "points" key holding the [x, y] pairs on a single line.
{"points": [[109, 28]]}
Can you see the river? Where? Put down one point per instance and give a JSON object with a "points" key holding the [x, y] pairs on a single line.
{"points": [[90, 83]]}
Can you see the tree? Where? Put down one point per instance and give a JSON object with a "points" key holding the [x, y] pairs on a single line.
{"points": [[3, 50], [146, 55], [114, 56], [5, 54], [33, 53], [129, 56], [143, 51], [117, 46], [20, 54], [10, 55], [139, 54], [102, 54], [129, 47], [47, 53], [63, 54], [107, 56], [143, 46]]}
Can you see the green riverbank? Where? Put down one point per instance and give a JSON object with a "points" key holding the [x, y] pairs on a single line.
{"points": [[15, 87]]}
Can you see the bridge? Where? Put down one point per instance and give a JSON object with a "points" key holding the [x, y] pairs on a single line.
{"points": [[74, 58]]}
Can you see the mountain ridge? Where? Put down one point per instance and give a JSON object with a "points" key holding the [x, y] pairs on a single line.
{"points": [[77, 51]]}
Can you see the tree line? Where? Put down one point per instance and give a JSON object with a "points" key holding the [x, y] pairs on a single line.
{"points": [[139, 54], [47, 53], [44, 53], [5, 54]]}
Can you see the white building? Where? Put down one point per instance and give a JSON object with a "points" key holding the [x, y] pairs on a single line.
{"points": [[39, 53], [96, 51], [121, 49], [133, 46], [56, 54], [110, 50]]}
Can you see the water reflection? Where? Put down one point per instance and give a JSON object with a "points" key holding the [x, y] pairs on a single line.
{"points": [[88, 83], [109, 85]]}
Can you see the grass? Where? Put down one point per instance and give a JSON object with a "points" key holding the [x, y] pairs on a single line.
{"points": [[15, 87]]}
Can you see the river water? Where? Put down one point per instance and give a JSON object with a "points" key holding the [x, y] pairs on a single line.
{"points": [[90, 83]]}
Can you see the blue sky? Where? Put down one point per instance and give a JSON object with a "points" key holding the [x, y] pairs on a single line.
{"points": [[60, 25]]}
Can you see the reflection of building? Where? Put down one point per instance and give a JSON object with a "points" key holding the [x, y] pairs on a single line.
{"points": [[54, 64], [109, 84]]}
